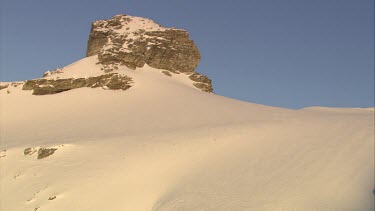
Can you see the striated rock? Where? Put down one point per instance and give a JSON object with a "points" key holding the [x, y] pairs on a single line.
{"points": [[135, 41], [52, 86]]}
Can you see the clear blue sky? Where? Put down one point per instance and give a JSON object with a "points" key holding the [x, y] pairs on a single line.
{"points": [[290, 53]]}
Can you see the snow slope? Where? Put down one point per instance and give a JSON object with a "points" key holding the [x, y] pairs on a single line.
{"points": [[165, 145]]}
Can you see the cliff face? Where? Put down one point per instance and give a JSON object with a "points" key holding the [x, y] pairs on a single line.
{"points": [[134, 42]]}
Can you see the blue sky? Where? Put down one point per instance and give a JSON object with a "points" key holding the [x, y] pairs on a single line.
{"points": [[290, 53]]}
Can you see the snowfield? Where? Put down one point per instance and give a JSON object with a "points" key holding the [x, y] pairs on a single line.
{"points": [[164, 145]]}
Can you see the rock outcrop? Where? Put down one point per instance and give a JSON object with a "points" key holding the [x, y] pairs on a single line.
{"points": [[42, 152], [52, 86], [29, 151], [4, 86], [135, 41], [203, 82], [45, 152]]}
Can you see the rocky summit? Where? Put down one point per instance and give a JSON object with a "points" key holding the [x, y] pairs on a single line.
{"points": [[124, 42], [135, 41]]}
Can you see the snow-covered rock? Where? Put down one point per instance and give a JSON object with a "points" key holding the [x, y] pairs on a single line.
{"points": [[135, 41]]}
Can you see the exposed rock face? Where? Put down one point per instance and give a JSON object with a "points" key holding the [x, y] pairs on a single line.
{"points": [[135, 41], [52, 86]]}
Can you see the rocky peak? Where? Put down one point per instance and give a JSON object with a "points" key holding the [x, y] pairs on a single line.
{"points": [[135, 41], [120, 43]]}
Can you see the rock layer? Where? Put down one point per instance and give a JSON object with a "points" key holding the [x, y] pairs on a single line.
{"points": [[53, 86]]}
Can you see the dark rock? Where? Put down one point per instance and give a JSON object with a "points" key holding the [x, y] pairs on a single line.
{"points": [[52, 86], [52, 198], [197, 77], [4, 86], [204, 87], [204, 83], [45, 152], [29, 151], [3, 153], [167, 73]]}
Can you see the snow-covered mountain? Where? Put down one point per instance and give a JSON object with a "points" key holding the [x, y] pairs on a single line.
{"points": [[131, 131]]}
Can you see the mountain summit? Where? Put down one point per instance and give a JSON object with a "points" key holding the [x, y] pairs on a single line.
{"points": [[135, 41], [118, 44]]}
